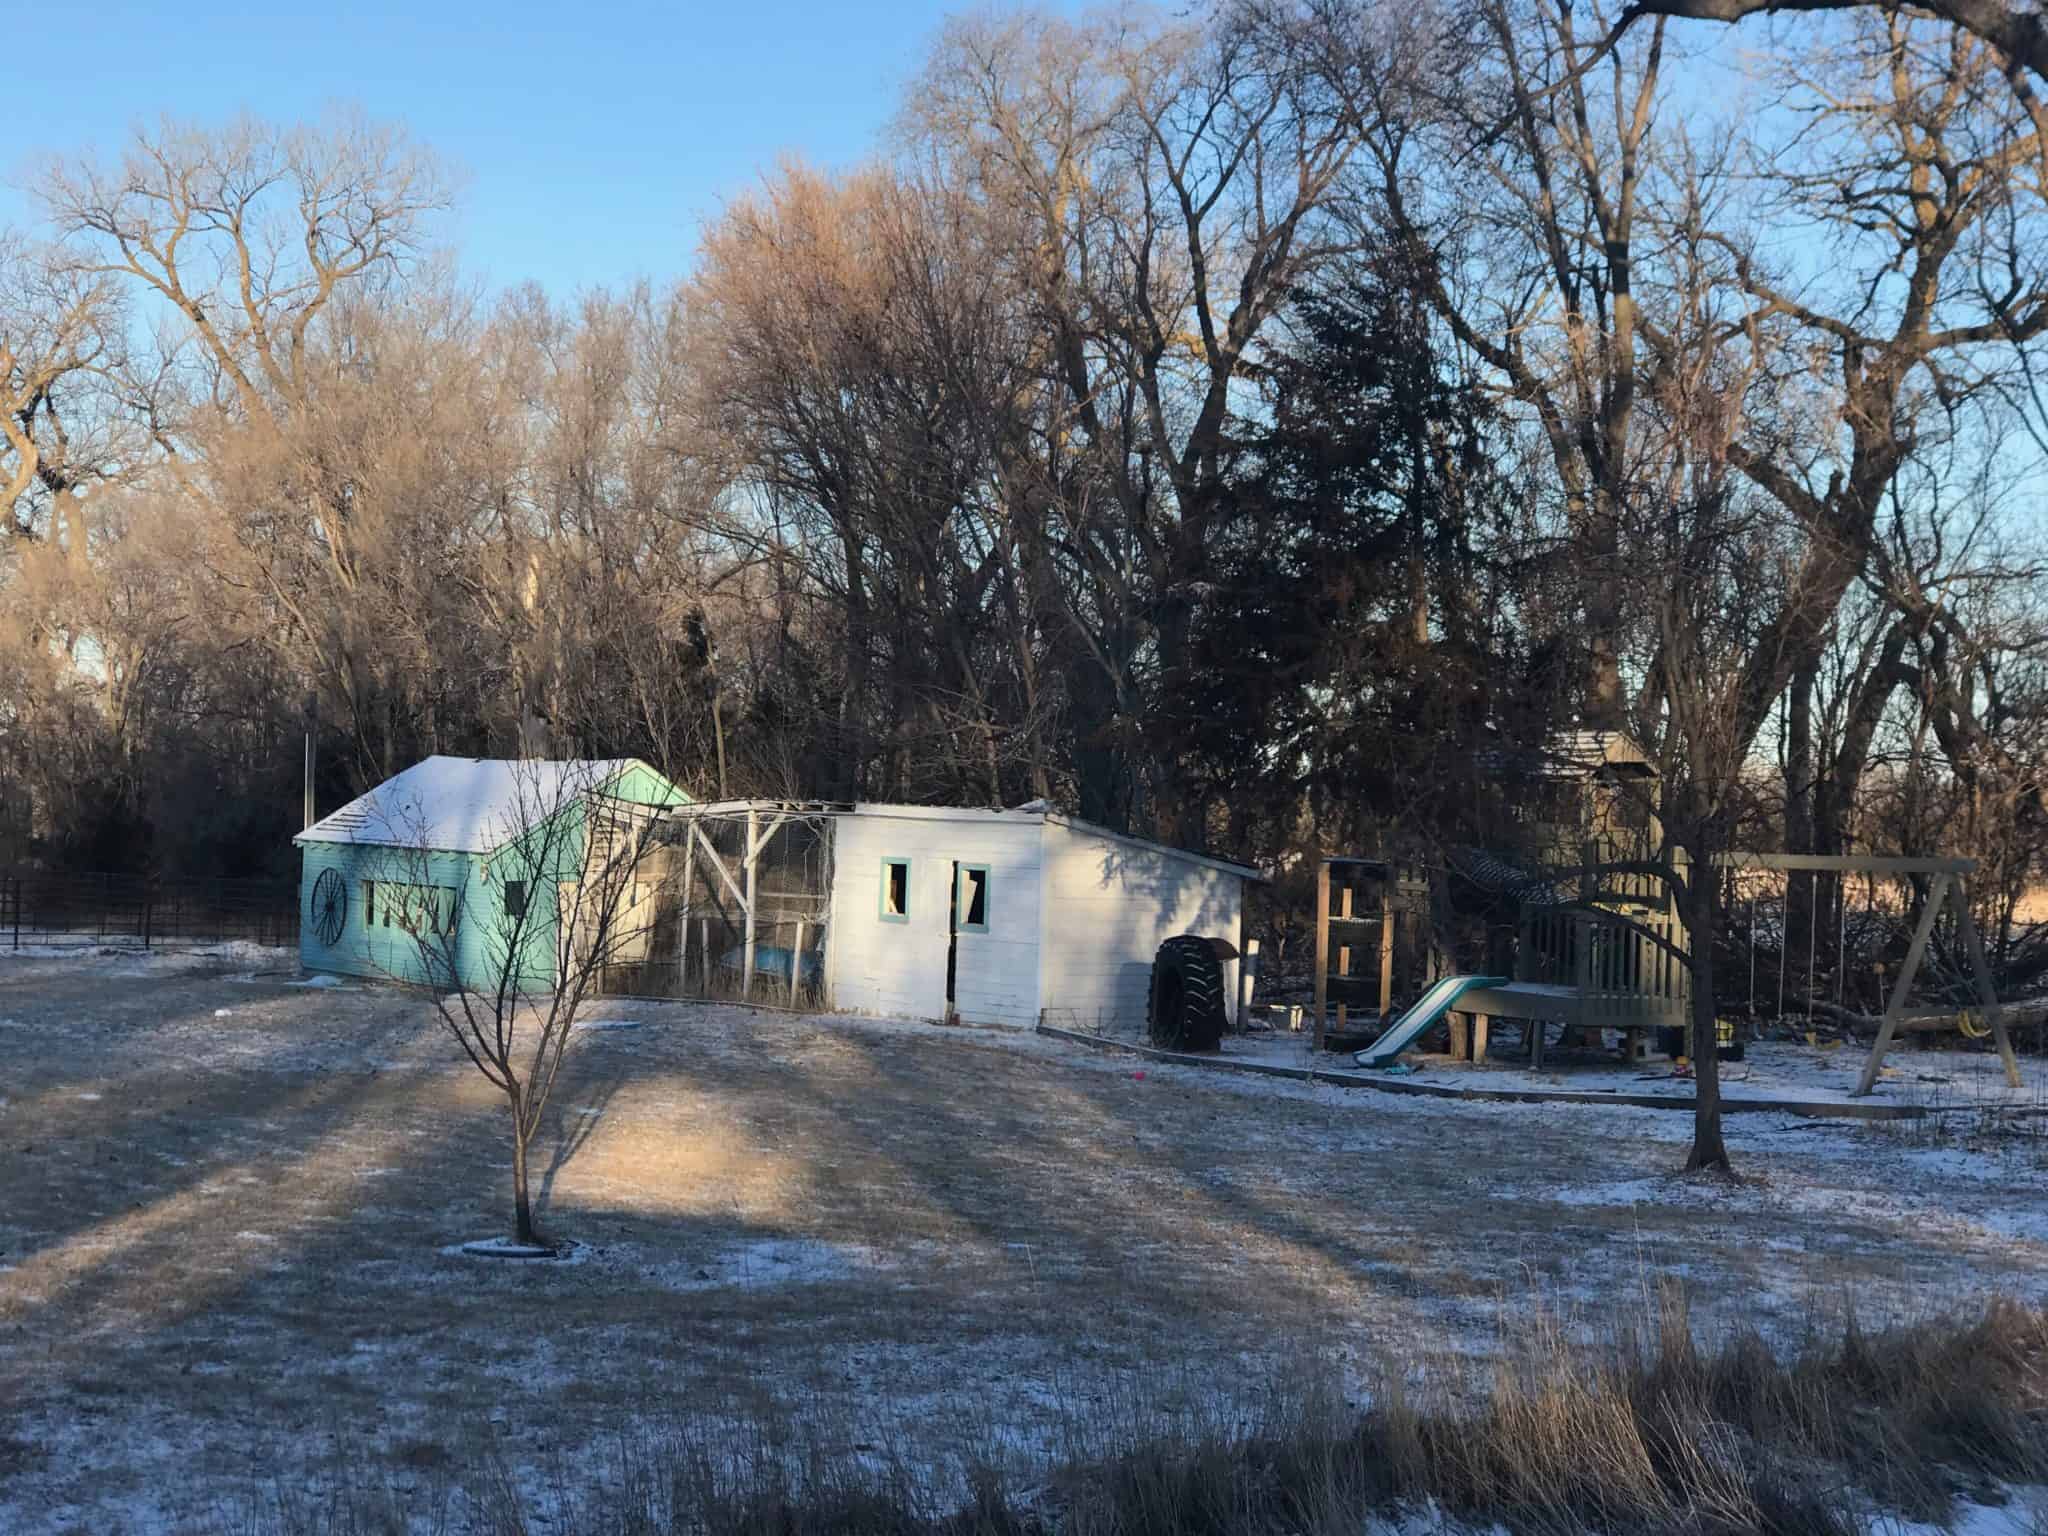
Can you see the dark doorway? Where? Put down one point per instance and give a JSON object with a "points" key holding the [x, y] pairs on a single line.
{"points": [[952, 939]]}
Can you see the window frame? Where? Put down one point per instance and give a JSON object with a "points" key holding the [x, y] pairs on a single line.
{"points": [[506, 888], [960, 906], [891, 862]]}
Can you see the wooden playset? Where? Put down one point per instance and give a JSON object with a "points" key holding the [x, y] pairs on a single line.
{"points": [[1612, 964]]}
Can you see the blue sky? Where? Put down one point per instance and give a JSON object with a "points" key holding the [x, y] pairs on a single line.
{"points": [[594, 138]]}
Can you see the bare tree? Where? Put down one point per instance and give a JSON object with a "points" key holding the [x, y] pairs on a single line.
{"points": [[864, 354], [249, 234], [1925, 185], [1518, 197], [1170, 185], [513, 943], [59, 330], [245, 248], [2016, 31]]}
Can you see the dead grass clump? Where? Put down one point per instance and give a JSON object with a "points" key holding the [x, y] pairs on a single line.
{"points": [[1908, 1414], [1652, 1433]]}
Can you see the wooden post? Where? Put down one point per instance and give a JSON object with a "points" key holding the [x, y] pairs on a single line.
{"points": [[747, 958], [1481, 1023], [1459, 1036], [796, 960], [704, 950], [1387, 945], [1980, 967], [683, 918], [1322, 948], [1345, 910], [1937, 891]]}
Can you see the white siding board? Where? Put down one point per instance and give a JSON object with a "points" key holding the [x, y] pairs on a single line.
{"points": [[1109, 904], [899, 969]]}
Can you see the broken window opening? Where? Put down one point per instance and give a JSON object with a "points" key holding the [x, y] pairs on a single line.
{"points": [[973, 898], [895, 890]]}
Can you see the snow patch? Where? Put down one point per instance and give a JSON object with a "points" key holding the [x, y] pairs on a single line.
{"points": [[774, 1261], [127, 960], [2021, 1515], [508, 1248]]}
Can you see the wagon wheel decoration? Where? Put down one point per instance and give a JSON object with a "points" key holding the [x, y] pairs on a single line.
{"points": [[329, 907]]}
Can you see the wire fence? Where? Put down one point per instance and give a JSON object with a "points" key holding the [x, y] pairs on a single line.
{"points": [[55, 909]]}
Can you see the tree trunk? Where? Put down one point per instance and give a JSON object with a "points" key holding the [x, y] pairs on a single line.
{"points": [[1801, 919], [850, 768], [1599, 546], [1418, 536], [1708, 1149], [522, 1198]]}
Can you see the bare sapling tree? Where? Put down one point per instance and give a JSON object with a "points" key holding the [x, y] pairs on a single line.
{"points": [[513, 941]]}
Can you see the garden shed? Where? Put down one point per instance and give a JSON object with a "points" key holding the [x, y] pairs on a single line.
{"points": [[462, 847], [929, 912]]}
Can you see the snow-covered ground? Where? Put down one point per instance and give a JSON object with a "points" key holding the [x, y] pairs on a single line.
{"points": [[1947, 1078], [230, 1240], [83, 954]]}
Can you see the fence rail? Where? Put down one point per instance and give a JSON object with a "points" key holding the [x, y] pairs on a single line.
{"points": [[63, 909]]}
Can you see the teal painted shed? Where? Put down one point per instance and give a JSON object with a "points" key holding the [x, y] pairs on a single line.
{"points": [[463, 846]]}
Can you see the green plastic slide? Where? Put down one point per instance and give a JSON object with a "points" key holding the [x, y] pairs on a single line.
{"points": [[1430, 1007]]}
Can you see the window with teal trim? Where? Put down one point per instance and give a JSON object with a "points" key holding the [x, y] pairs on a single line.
{"points": [[972, 898], [895, 890]]}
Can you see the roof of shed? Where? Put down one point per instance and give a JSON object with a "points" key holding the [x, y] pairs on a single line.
{"points": [[1589, 749], [1571, 754], [1032, 813], [463, 804]]}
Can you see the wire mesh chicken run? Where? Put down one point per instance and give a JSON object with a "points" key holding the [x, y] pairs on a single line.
{"points": [[736, 900]]}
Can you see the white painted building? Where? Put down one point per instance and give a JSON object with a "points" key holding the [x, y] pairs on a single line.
{"points": [[993, 917]]}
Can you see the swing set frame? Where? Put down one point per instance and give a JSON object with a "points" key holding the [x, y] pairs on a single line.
{"points": [[1946, 884]]}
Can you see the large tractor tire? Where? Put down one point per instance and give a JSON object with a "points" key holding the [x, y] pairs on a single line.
{"points": [[1187, 1008]]}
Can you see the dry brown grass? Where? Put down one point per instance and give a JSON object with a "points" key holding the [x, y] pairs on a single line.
{"points": [[1651, 1434]]}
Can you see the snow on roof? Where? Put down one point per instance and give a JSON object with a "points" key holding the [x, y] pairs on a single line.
{"points": [[463, 804]]}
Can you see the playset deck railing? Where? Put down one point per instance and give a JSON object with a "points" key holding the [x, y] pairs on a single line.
{"points": [[1625, 978]]}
